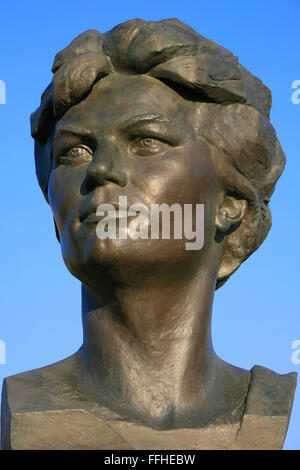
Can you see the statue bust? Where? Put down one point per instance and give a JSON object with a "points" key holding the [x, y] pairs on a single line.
{"points": [[155, 113]]}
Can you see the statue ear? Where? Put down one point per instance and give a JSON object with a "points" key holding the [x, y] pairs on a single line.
{"points": [[230, 213], [56, 231]]}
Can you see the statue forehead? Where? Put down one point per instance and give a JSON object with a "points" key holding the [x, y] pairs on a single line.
{"points": [[119, 97]]}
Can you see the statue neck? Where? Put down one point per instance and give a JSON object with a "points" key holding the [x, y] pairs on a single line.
{"points": [[148, 345]]}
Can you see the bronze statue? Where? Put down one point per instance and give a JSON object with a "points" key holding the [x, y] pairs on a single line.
{"points": [[156, 113]]}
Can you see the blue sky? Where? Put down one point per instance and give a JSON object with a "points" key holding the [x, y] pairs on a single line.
{"points": [[256, 314]]}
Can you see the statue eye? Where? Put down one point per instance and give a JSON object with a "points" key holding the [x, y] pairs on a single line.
{"points": [[80, 151], [77, 154], [147, 146]]}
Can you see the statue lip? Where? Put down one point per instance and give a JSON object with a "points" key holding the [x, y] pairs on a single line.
{"points": [[119, 210], [90, 212]]}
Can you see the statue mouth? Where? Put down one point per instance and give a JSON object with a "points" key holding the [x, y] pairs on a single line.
{"points": [[89, 213], [110, 215]]}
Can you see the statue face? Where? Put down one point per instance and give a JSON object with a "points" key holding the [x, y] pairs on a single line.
{"points": [[132, 136]]}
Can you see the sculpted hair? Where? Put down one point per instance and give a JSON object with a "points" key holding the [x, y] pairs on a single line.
{"points": [[233, 111]]}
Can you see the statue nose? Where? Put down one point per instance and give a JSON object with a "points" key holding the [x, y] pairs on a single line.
{"points": [[106, 166]]}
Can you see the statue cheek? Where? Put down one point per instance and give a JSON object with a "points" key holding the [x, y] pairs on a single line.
{"points": [[60, 199]]}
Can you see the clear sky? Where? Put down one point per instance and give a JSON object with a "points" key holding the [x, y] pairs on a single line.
{"points": [[256, 314]]}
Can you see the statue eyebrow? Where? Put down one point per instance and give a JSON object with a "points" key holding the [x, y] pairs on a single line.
{"points": [[160, 118], [73, 130]]}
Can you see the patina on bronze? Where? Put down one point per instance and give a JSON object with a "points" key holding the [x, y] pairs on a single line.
{"points": [[155, 112]]}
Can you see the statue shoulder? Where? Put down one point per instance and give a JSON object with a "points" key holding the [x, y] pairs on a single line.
{"points": [[39, 389], [270, 393], [268, 409]]}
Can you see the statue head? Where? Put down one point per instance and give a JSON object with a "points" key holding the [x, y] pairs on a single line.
{"points": [[158, 113]]}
